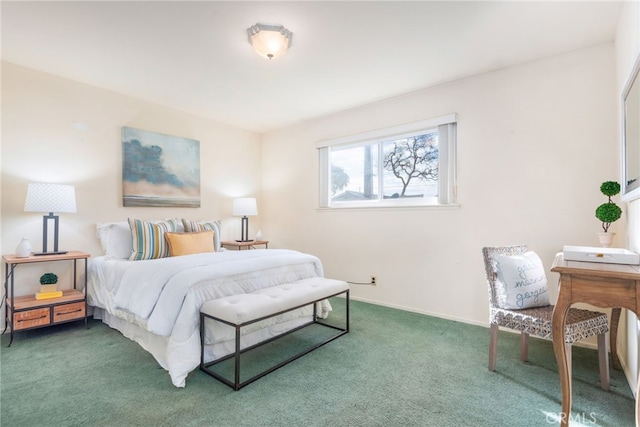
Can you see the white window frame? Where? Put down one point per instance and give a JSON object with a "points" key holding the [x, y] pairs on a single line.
{"points": [[447, 186]]}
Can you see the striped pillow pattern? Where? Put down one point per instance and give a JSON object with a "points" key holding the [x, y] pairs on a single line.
{"points": [[148, 238], [215, 226]]}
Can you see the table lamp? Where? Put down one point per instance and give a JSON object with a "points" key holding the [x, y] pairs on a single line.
{"points": [[242, 207], [42, 197]]}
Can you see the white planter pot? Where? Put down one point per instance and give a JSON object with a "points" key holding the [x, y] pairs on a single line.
{"points": [[606, 239]]}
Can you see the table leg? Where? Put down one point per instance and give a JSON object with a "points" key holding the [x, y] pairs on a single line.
{"points": [[6, 291], [613, 338], [638, 402], [559, 320]]}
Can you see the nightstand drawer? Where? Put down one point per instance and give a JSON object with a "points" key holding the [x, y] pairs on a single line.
{"points": [[68, 312], [31, 318]]}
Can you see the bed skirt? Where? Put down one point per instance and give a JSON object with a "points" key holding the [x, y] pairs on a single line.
{"points": [[158, 346]]}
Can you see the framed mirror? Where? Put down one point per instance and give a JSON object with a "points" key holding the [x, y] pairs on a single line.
{"points": [[631, 135]]}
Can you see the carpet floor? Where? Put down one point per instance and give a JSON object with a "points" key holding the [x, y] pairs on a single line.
{"points": [[394, 368]]}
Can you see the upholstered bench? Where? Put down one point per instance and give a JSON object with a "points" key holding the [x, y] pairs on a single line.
{"points": [[241, 310]]}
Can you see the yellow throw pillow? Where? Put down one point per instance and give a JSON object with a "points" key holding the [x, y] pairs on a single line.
{"points": [[190, 243]]}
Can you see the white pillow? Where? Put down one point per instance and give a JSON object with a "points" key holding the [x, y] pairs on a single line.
{"points": [[521, 281], [115, 238]]}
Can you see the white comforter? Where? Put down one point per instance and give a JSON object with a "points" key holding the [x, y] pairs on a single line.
{"points": [[164, 296]]}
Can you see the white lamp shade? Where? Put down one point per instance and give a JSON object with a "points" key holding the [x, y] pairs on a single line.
{"points": [[245, 206], [270, 41], [43, 197]]}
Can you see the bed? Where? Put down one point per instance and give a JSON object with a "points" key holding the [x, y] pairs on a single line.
{"points": [[156, 301]]}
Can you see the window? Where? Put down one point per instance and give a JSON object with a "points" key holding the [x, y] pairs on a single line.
{"points": [[406, 165]]}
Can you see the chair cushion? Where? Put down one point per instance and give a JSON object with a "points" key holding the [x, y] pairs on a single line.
{"points": [[537, 322], [521, 281]]}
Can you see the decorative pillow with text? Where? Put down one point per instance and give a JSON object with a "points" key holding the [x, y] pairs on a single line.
{"points": [[521, 281]]}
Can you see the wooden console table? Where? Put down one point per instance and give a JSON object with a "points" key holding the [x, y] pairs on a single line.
{"points": [[599, 284]]}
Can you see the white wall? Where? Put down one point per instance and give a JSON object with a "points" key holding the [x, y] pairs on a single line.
{"points": [[534, 143], [41, 144], [627, 50]]}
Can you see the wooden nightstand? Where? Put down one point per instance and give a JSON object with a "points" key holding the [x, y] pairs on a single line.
{"points": [[244, 245], [26, 312]]}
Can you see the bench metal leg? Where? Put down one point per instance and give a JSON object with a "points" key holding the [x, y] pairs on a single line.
{"points": [[236, 384]]}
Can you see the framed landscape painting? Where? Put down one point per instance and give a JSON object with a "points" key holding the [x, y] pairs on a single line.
{"points": [[159, 170]]}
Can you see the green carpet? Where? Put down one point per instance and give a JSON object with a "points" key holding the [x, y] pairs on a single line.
{"points": [[394, 368]]}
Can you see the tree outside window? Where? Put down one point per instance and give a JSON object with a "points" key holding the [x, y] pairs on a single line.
{"points": [[406, 165], [412, 159]]}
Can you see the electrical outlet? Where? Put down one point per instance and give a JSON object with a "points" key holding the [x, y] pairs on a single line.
{"points": [[373, 280]]}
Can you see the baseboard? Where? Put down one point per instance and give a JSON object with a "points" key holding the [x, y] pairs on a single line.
{"points": [[628, 376], [584, 344], [427, 313]]}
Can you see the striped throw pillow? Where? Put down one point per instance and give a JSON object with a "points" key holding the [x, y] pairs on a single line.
{"points": [[215, 226], [148, 239]]}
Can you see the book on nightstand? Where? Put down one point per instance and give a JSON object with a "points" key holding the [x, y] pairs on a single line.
{"points": [[47, 295]]}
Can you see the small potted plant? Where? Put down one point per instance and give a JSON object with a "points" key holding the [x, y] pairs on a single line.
{"points": [[48, 282], [608, 212]]}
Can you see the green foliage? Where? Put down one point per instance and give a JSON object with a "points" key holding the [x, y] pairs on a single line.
{"points": [[609, 212], [610, 188], [339, 179], [48, 279]]}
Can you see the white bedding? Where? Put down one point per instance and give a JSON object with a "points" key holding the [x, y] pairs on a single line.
{"points": [[163, 296]]}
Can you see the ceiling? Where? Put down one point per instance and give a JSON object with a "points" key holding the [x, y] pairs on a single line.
{"points": [[195, 56]]}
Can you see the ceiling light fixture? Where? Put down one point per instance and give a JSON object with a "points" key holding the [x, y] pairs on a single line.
{"points": [[270, 41]]}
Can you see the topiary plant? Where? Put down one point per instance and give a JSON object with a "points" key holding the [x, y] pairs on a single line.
{"points": [[609, 212], [48, 279]]}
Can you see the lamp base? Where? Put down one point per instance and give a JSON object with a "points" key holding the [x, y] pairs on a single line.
{"points": [[50, 253], [244, 241]]}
